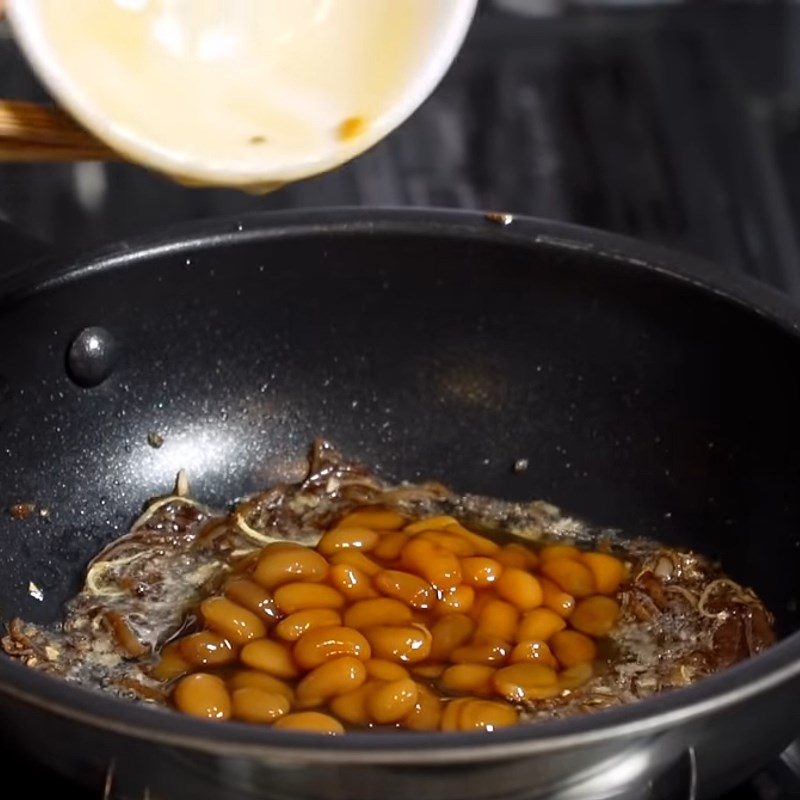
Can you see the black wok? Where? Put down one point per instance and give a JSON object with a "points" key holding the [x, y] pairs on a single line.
{"points": [[648, 391]]}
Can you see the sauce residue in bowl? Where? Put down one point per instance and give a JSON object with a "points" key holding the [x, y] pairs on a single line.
{"points": [[250, 87]]}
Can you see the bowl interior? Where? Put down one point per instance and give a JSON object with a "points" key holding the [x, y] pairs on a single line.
{"points": [[241, 92]]}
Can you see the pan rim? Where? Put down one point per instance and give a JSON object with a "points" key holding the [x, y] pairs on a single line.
{"points": [[766, 671]]}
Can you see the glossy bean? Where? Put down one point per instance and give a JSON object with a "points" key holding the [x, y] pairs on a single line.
{"points": [[526, 681], [407, 644], [557, 600], [206, 649], [438, 523], [390, 546], [352, 706], [438, 566], [553, 551], [533, 651], [499, 618], [487, 650], [430, 670], [540, 623], [355, 558], [253, 679], [351, 582], [271, 657], [608, 572], [278, 567], [171, 663], [332, 678], [480, 572], [318, 645], [457, 601], [448, 633], [376, 518], [229, 619], [406, 587], [520, 588], [572, 576], [293, 597], [468, 679], [426, 713], [486, 715], [291, 628], [391, 701], [595, 615], [516, 556], [380, 611], [458, 545], [451, 714], [382, 670], [254, 705], [310, 722], [203, 695], [253, 597], [572, 647], [352, 538], [481, 546], [576, 675]]}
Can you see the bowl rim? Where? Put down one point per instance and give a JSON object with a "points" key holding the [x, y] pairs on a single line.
{"points": [[767, 671]]}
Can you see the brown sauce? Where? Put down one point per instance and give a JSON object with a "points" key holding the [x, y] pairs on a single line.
{"points": [[678, 617]]}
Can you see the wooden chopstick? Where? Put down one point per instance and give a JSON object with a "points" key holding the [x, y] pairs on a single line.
{"points": [[31, 132]]}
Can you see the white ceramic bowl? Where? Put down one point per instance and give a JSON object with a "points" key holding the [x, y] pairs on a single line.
{"points": [[252, 93]]}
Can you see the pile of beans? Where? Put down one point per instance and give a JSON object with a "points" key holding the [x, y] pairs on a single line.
{"points": [[420, 625]]}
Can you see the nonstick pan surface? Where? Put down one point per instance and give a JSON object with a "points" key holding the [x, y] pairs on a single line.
{"points": [[648, 392]]}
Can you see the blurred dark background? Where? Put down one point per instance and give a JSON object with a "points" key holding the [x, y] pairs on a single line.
{"points": [[674, 121]]}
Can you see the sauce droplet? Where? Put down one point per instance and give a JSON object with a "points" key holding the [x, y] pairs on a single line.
{"points": [[91, 356]]}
